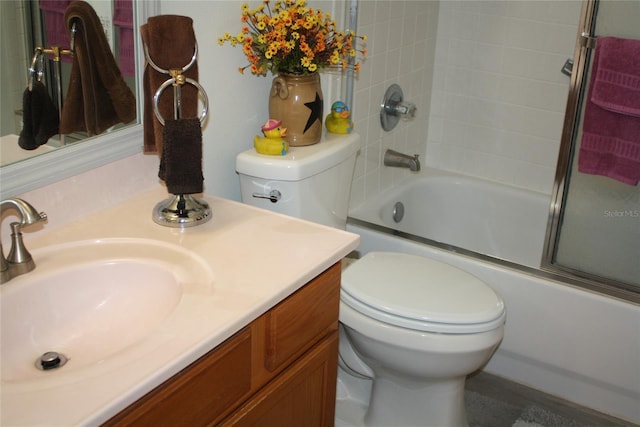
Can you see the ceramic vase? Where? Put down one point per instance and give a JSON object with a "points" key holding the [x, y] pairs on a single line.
{"points": [[296, 100]]}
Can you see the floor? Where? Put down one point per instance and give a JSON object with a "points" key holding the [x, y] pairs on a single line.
{"points": [[495, 402]]}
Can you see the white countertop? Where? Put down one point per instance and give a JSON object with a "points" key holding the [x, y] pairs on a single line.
{"points": [[256, 258], [11, 152]]}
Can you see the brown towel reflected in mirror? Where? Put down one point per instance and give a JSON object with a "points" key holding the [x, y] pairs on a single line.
{"points": [[97, 97], [40, 117]]}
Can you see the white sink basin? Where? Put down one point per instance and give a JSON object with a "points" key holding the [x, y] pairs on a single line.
{"points": [[90, 301]]}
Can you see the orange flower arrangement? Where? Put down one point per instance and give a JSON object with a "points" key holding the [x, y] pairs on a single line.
{"points": [[291, 37]]}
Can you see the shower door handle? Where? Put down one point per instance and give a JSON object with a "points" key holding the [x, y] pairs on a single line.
{"points": [[567, 68]]}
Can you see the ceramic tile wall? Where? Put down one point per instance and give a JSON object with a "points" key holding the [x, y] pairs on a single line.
{"points": [[401, 48], [486, 78], [498, 103]]}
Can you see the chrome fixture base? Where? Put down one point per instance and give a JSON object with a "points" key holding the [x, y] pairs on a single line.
{"points": [[181, 211], [19, 260], [393, 108]]}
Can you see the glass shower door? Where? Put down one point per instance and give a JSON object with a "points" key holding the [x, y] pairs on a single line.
{"points": [[594, 227]]}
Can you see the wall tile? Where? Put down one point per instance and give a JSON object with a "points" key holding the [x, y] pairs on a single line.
{"points": [[486, 78]]}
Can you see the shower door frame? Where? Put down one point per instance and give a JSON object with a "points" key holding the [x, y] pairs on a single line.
{"points": [[577, 92]]}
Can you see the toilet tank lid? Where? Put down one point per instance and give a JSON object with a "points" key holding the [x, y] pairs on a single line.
{"points": [[299, 162]]}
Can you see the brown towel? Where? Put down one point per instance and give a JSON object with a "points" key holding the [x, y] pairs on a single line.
{"points": [[40, 117], [98, 97], [170, 41], [181, 160]]}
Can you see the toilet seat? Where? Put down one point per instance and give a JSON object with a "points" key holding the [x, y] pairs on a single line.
{"points": [[420, 293]]}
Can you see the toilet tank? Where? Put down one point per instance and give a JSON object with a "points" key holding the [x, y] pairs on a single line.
{"points": [[311, 182]]}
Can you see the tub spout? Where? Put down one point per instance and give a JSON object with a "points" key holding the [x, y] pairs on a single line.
{"points": [[396, 159]]}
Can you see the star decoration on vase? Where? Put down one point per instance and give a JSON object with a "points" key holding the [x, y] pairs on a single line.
{"points": [[316, 112]]}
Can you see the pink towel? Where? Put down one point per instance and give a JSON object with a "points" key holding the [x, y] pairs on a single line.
{"points": [[55, 28], [617, 86], [610, 143], [123, 19]]}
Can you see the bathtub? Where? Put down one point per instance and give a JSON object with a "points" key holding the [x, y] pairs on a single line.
{"points": [[563, 340]]}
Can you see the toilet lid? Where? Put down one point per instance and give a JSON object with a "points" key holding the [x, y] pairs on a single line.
{"points": [[420, 293]]}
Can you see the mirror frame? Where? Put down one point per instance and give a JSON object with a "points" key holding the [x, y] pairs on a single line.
{"points": [[47, 168]]}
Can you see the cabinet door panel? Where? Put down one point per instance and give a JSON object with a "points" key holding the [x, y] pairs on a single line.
{"points": [[303, 396], [308, 315]]}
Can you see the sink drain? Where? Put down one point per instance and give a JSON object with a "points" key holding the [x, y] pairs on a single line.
{"points": [[51, 360]]}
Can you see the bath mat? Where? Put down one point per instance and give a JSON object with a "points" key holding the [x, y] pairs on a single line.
{"points": [[534, 416], [521, 423], [485, 411]]}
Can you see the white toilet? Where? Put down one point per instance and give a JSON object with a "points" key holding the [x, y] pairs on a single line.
{"points": [[414, 326]]}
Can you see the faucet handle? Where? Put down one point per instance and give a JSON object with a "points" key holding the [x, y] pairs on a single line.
{"points": [[32, 216], [19, 260], [19, 257], [394, 107]]}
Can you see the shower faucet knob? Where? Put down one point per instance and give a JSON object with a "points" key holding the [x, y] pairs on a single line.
{"points": [[394, 107], [405, 110]]}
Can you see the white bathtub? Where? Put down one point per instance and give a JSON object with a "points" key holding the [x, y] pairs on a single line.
{"points": [[579, 345]]}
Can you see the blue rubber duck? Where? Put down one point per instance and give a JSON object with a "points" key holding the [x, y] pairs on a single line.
{"points": [[339, 121]]}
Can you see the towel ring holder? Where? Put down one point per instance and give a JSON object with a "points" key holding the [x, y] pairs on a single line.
{"points": [[36, 70], [181, 210], [180, 80], [162, 70], [177, 80]]}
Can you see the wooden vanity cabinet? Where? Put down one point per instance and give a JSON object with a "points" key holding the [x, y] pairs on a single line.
{"points": [[280, 370]]}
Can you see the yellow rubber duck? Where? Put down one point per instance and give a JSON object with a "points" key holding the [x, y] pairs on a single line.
{"points": [[338, 120], [272, 143]]}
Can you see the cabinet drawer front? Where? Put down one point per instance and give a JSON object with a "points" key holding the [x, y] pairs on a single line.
{"points": [[207, 390], [308, 315]]}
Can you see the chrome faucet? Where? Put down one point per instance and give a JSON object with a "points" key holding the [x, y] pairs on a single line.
{"points": [[19, 260], [394, 158]]}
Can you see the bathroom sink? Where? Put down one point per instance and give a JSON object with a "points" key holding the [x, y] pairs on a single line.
{"points": [[89, 301]]}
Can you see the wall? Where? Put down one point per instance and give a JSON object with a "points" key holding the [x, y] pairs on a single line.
{"points": [[14, 74], [238, 103], [401, 49], [499, 106], [489, 73]]}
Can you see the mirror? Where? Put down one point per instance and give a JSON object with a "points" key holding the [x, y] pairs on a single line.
{"points": [[60, 163]]}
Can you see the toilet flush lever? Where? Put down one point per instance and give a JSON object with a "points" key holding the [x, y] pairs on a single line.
{"points": [[273, 196]]}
